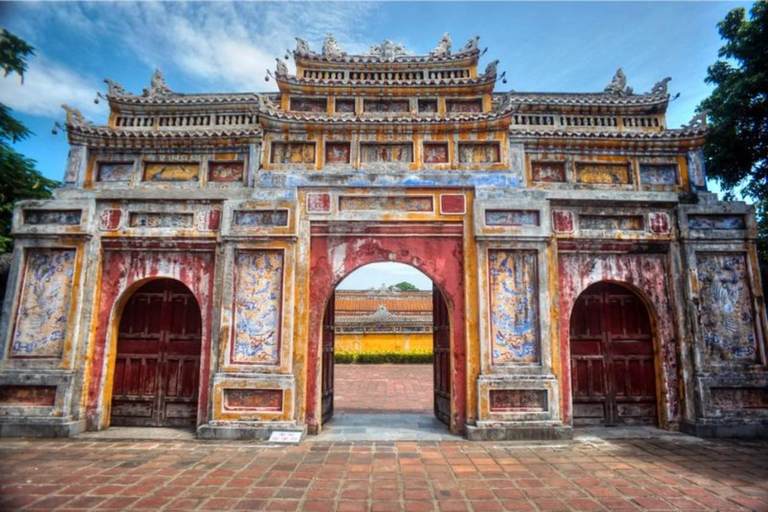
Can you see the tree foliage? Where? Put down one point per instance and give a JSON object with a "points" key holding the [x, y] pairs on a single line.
{"points": [[404, 286], [736, 151], [20, 180]]}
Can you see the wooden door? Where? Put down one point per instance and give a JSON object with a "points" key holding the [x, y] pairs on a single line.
{"points": [[441, 341], [612, 361], [157, 366], [329, 324]]}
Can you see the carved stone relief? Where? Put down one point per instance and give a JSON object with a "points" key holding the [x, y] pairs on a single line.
{"points": [[726, 315]]}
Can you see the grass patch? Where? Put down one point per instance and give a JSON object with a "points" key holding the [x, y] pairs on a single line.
{"points": [[379, 357]]}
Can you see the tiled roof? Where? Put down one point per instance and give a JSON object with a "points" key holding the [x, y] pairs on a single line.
{"points": [[364, 303]]}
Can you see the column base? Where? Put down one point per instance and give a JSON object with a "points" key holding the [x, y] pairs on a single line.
{"points": [[497, 432], [742, 430], [41, 429]]}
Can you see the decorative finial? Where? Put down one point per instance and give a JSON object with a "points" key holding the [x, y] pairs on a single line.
{"points": [[282, 69], [331, 48], [490, 69], [302, 47], [471, 45], [443, 48], [660, 88], [699, 121], [74, 116], [157, 85], [618, 84], [115, 89], [387, 50]]}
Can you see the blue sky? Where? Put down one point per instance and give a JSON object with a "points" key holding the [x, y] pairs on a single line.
{"points": [[216, 47]]}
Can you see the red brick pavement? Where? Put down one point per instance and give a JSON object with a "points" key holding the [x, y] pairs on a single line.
{"points": [[677, 473], [383, 388]]}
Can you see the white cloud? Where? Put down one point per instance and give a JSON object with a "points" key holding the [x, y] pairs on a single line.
{"points": [[46, 86], [228, 45]]}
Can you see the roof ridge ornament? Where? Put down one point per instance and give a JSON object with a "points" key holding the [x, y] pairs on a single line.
{"points": [[387, 50], [115, 89], [331, 49], [660, 87], [302, 47], [443, 48], [491, 68], [282, 69], [157, 86], [75, 117], [698, 122], [471, 45], [619, 85]]}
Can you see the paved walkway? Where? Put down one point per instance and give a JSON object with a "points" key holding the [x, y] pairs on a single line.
{"points": [[384, 427], [669, 473], [375, 388]]}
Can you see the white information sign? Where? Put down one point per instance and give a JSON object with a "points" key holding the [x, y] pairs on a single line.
{"points": [[285, 437]]}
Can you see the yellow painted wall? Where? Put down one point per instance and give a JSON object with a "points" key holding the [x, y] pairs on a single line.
{"points": [[359, 342]]}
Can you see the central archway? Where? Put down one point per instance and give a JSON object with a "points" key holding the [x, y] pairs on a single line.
{"points": [[435, 249], [392, 342]]}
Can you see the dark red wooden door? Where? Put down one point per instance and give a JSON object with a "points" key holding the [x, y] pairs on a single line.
{"points": [[157, 367], [442, 363], [612, 361], [329, 324]]}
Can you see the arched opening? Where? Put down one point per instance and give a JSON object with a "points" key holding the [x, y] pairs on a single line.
{"points": [[157, 362], [613, 375], [386, 348]]}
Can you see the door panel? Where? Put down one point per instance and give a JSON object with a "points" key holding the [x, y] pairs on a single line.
{"points": [[612, 361], [442, 357], [329, 324], [157, 366]]}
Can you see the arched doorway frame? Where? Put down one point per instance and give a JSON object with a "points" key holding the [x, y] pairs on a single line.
{"points": [[123, 272], [655, 339], [644, 274], [439, 255], [114, 331], [435, 286]]}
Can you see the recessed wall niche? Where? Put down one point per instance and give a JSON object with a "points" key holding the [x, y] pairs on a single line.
{"points": [[337, 152]]}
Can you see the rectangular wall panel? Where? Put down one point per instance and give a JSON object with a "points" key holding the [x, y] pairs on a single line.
{"points": [[514, 306], [727, 318], [258, 307], [43, 312]]}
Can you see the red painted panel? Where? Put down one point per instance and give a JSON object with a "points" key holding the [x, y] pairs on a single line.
{"points": [[157, 365], [452, 204], [335, 251], [612, 358]]}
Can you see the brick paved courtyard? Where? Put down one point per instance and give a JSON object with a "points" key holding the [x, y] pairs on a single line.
{"points": [[383, 388], [678, 472]]}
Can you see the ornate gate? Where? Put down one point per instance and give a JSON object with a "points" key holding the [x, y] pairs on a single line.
{"points": [[328, 347], [612, 361], [157, 367]]}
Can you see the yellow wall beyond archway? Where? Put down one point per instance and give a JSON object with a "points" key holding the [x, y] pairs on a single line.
{"points": [[383, 342]]}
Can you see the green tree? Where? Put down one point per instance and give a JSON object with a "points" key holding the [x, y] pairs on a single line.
{"points": [[404, 286], [737, 144], [20, 179]]}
